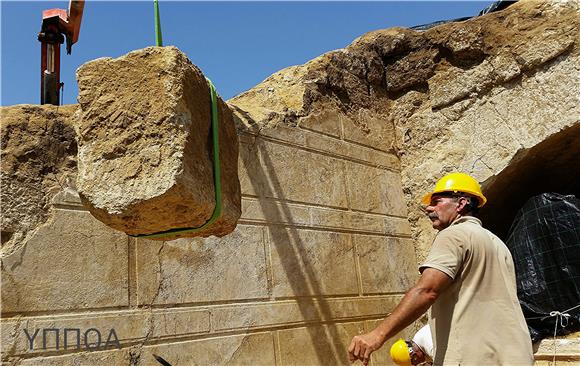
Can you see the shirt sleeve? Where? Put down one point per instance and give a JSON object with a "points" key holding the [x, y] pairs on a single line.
{"points": [[447, 252]]}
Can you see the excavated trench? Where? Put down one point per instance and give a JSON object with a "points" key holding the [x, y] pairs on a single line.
{"points": [[551, 166]]}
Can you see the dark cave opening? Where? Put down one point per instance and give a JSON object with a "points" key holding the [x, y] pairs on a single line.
{"points": [[553, 165]]}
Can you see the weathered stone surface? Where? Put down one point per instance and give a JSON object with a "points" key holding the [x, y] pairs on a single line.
{"points": [[130, 327], [234, 350], [269, 211], [311, 263], [325, 121], [387, 265], [283, 90], [317, 345], [351, 148], [38, 159], [567, 348], [113, 357], [316, 179], [300, 311], [249, 170], [370, 130], [375, 190], [240, 350], [145, 152], [133, 327], [196, 270], [509, 121], [72, 262]]}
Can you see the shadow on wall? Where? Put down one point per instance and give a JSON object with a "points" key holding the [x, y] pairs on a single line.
{"points": [[294, 258], [553, 165]]}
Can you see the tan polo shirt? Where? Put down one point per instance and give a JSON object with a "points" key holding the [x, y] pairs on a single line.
{"points": [[478, 320]]}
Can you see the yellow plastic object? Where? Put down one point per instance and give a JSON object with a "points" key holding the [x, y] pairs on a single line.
{"points": [[400, 353], [457, 182]]}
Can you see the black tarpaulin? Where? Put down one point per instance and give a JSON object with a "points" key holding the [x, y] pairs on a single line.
{"points": [[544, 240], [495, 6]]}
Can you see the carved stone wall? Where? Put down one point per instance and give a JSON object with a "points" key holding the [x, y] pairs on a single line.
{"points": [[321, 252]]}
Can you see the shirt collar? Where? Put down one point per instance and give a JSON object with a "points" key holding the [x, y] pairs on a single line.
{"points": [[471, 219]]}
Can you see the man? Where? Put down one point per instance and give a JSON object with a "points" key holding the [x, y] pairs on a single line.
{"points": [[415, 352], [469, 280]]}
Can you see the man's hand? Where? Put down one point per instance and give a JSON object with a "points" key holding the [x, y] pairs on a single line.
{"points": [[362, 346], [415, 302]]}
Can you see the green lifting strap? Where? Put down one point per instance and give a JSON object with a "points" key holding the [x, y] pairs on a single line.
{"points": [[217, 211], [158, 38]]}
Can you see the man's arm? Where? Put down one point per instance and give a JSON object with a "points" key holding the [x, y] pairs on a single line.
{"points": [[414, 304]]}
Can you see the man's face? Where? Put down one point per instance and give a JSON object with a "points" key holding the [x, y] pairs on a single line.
{"points": [[443, 210], [417, 356]]}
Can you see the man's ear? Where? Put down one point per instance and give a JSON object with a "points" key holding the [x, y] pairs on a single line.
{"points": [[462, 202]]}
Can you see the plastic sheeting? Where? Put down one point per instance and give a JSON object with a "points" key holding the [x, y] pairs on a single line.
{"points": [[495, 6], [544, 240]]}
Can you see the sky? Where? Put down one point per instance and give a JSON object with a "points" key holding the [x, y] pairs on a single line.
{"points": [[236, 44]]}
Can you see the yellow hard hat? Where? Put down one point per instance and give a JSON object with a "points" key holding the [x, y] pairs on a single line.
{"points": [[457, 182], [400, 353]]}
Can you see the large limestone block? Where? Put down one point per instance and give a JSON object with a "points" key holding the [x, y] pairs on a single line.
{"points": [[387, 265], [567, 347], [145, 150], [311, 263], [375, 190], [73, 262], [203, 270], [291, 173]]}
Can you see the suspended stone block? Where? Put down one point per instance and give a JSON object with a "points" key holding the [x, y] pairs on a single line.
{"points": [[145, 160]]}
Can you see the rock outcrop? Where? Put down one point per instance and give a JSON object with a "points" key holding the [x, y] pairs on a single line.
{"points": [[145, 151], [38, 160], [461, 96]]}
